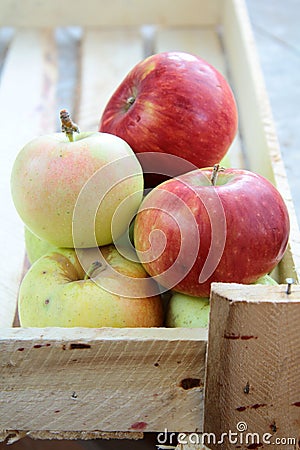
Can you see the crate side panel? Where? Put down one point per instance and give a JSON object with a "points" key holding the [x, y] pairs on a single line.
{"points": [[125, 381], [29, 13], [260, 143], [106, 57], [27, 95], [253, 362]]}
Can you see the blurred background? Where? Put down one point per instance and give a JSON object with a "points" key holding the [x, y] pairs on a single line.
{"points": [[276, 31]]}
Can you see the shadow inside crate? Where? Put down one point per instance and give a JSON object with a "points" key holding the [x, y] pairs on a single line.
{"points": [[148, 442]]}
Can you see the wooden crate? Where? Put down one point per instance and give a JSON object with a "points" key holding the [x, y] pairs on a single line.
{"points": [[88, 382]]}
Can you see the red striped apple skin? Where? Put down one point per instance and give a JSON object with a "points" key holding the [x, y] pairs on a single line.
{"points": [[189, 233], [176, 103]]}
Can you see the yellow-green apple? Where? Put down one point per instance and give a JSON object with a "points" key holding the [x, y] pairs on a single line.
{"points": [[266, 280], [187, 311], [192, 312], [205, 226], [36, 247], [174, 103], [56, 291], [67, 192]]}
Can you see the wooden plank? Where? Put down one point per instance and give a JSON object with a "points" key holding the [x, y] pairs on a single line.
{"points": [[256, 122], [33, 13], [26, 109], [105, 61], [253, 375], [13, 436], [102, 379]]}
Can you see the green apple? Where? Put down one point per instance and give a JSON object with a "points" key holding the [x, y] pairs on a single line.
{"points": [[68, 192], [192, 312], [267, 280], [187, 311], [36, 247], [56, 291]]}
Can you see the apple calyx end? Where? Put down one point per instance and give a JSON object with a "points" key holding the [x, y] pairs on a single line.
{"points": [[129, 102], [67, 124]]}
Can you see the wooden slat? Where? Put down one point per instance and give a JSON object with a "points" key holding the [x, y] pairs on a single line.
{"points": [[106, 57], [26, 110], [253, 360], [105, 379], [257, 126], [91, 13]]}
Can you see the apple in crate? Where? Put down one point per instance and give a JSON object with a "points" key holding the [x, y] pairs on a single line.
{"points": [[192, 312], [67, 189], [36, 247], [57, 291], [187, 311], [206, 226], [174, 103]]}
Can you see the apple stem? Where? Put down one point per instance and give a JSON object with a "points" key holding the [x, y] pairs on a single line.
{"points": [[214, 174], [93, 267], [67, 124]]}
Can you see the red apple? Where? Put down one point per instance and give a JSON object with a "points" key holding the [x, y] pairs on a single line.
{"points": [[189, 232], [176, 103]]}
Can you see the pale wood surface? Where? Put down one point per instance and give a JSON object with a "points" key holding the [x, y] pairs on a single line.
{"points": [[107, 379], [93, 13], [260, 142], [27, 94], [253, 361], [105, 61]]}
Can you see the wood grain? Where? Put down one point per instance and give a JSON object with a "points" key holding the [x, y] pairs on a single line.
{"points": [[105, 61], [32, 13], [27, 95], [105, 379], [253, 361], [260, 143]]}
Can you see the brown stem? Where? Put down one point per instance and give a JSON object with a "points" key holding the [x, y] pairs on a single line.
{"points": [[92, 269], [214, 174], [217, 168], [67, 124]]}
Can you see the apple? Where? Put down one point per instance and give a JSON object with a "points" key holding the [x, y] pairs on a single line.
{"points": [[57, 291], [67, 192], [208, 226], [174, 103], [193, 312], [187, 311], [36, 247], [266, 280]]}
